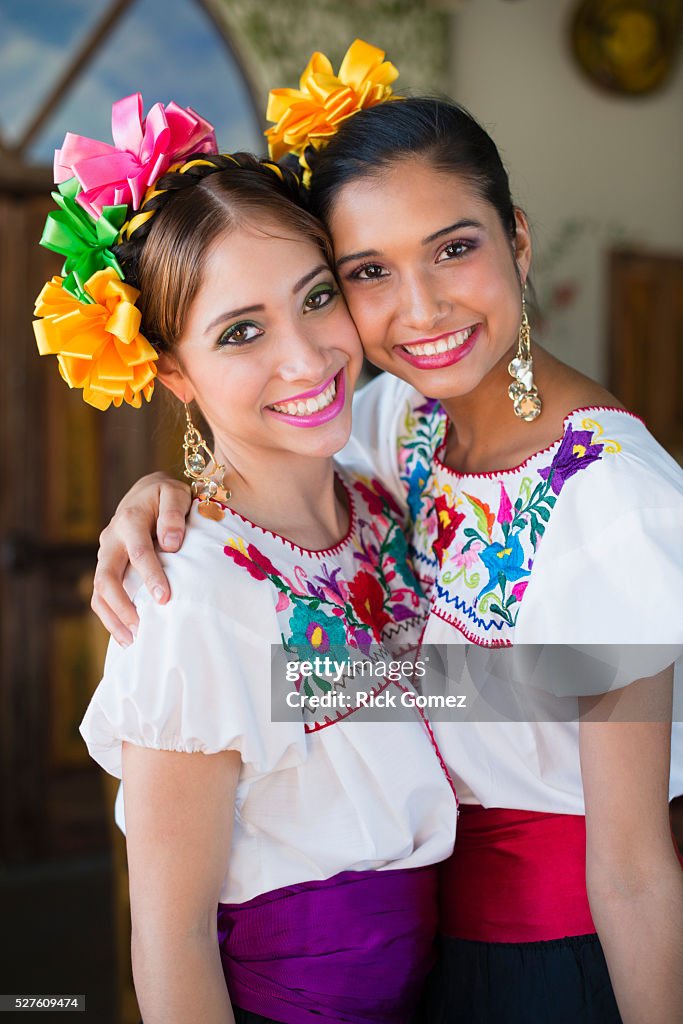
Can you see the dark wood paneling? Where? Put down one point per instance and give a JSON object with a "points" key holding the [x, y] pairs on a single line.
{"points": [[63, 468], [646, 341]]}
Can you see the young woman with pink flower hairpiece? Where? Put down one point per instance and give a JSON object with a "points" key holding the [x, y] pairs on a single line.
{"points": [[541, 512], [280, 870]]}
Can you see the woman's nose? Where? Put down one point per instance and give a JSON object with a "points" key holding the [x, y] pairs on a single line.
{"points": [[421, 306], [304, 358]]}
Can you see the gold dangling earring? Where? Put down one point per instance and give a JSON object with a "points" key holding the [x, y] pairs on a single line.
{"points": [[523, 392], [207, 475]]}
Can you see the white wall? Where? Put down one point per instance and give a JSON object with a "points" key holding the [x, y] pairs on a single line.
{"points": [[572, 151]]}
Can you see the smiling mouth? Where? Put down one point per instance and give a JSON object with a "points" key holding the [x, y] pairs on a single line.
{"points": [[308, 406], [446, 343]]}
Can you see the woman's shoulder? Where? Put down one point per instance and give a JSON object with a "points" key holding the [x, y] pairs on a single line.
{"points": [[211, 571], [631, 468], [592, 429], [610, 563]]}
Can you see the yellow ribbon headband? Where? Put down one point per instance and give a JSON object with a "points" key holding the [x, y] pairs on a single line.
{"points": [[312, 114]]}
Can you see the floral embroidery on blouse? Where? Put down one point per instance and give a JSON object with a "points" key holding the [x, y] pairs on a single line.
{"points": [[485, 544], [423, 431], [320, 609], [478, 548]]}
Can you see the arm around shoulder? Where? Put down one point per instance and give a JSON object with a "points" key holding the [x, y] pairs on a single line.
{"points": [[155, 507]]}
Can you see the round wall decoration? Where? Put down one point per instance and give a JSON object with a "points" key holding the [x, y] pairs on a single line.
{"points": [[627, 46]]}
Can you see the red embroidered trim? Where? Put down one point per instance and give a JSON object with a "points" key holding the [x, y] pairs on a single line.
{"points": [[543, 451], [465, 632], [323, 552], [310, 727]]}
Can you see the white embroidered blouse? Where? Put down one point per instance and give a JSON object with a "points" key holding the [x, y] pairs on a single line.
{"points": [[320, 793], [582, 544]]}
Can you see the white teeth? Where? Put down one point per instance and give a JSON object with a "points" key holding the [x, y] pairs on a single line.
{"points": [[310, 405], [433, 348]]}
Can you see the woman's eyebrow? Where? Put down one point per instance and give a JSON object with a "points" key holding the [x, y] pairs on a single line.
{"points": [[229, 314], [309, 277], [357, 256], [459, 224]]}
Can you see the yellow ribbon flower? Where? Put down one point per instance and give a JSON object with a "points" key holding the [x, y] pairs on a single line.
{"points": [[98, 343], [312, 114]]}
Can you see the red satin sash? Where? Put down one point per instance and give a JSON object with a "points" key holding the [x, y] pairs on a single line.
{"points": [[516, 876]]}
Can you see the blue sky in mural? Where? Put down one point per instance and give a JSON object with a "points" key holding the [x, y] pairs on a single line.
{"points": [[165, 49], [36, 39]]}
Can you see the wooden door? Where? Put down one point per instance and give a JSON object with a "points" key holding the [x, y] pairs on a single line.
{"points": [[646, 341], [63, 466]]}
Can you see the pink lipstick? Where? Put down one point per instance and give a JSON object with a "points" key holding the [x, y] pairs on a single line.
{"points": [[305, 415], [445, 350]]}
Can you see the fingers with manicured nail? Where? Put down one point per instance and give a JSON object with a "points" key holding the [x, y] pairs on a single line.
{"points": [[123, 635], [174, 504], [155, 504]]}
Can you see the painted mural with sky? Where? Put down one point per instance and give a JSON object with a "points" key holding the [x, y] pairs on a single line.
{"points": [[165, 49]]}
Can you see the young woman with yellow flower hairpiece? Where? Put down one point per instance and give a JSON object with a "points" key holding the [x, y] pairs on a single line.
{"points": [[543, 513], [280, 871]]}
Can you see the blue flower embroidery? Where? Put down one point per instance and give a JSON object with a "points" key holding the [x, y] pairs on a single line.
{"points": [[503, 563]]}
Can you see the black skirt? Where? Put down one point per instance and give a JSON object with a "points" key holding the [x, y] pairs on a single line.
{"points": [[564, 981], [247, 1017]]}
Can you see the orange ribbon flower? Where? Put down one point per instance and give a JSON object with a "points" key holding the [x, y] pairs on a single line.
{"points": [[98, 344], [311, 115]]}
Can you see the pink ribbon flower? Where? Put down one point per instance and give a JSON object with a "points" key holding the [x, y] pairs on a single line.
{"points": [[143, 150]]}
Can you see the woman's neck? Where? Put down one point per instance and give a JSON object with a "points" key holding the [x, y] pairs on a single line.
{"points": [[486, 436], [292, 495]]}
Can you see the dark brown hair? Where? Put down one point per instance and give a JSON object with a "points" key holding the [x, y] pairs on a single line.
{"points": [[436, 130], [165, 256]]}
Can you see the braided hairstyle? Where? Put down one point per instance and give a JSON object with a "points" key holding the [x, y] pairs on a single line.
{"points": [[164, 245]]}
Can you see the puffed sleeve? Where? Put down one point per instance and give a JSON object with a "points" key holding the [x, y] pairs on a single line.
{"points": [[608, 575], [196, 679]]}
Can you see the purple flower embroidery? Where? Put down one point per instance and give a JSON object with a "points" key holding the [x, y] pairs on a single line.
{"points": [[364, 640], [575, 452], [428, 406], [368, 553], [329, 580]]}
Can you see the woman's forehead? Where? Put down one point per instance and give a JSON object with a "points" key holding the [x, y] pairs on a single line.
{"points": [[417, 199]]}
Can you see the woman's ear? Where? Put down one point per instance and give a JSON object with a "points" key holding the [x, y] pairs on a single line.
{"points": [[172, 377], [522, 244]]}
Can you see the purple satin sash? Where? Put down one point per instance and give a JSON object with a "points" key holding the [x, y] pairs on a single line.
{"points": [[355, 948]]}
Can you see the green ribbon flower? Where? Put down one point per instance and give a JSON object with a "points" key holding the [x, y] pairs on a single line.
{"points": [[85, 242]]}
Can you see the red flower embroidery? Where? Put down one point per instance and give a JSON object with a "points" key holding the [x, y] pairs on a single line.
{"points": [[376, 495], [367, 601], [255, 562], [448, 521]]}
